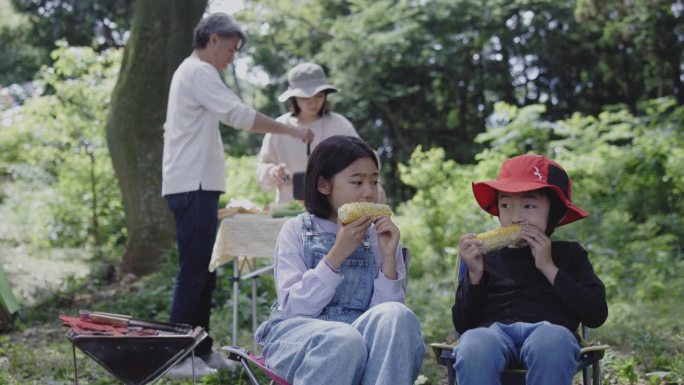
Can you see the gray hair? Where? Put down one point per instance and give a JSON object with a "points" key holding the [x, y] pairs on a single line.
{"points": [[218, 23]]}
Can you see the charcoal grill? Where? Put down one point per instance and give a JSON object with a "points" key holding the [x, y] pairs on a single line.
{"points": [[136, 360]]}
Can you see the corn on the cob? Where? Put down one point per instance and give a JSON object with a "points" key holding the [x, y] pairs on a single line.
{"points": [[349, 212], [500, 238]]}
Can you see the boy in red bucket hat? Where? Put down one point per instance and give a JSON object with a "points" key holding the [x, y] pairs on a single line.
{"points": [[521, 305]]}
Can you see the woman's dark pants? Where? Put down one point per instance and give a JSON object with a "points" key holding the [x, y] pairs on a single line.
{"points": [[196, 214]]}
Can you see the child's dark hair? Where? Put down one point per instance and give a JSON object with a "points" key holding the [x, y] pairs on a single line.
{"points": [[331, 156], [557, 210]]}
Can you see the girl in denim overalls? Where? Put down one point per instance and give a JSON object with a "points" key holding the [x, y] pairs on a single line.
{"points": [[340, 317]]}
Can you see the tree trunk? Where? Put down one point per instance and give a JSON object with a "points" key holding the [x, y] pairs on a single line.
{"points": [[161, 37]]}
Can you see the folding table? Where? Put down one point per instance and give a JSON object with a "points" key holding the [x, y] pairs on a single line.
{"points": [[242, 239]]}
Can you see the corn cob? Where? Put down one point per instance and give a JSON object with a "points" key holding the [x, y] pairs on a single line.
{"points": [[349, 212], [500, 238]]}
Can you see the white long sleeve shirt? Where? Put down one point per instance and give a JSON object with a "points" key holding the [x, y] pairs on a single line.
{"points": [[193, 149], [278, 148], [305, 292]]}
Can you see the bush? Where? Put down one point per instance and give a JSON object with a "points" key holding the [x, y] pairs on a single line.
{"points": [[59, 182]]}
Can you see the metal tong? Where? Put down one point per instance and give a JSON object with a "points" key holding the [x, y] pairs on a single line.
{"points": [[122, 320]]}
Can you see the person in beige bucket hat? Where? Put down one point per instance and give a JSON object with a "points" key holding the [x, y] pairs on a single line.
{"points": [[306, 80], [282, 158]]}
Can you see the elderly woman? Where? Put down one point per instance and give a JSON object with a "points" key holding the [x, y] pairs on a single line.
{"points": [[282, 156], [193, 170]]}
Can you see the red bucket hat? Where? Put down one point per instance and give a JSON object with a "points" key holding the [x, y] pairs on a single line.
{"points": [[528, 173]]}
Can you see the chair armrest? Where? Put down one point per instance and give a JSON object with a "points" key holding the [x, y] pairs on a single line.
{"points": [[442, 351], [594, 348]]}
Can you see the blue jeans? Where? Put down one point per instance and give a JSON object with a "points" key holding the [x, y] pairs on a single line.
{"points": [[548, 351], [196, 214], [382, 346]]}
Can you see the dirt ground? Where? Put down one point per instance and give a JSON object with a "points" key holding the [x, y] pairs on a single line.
{"points": [[33, 275]]}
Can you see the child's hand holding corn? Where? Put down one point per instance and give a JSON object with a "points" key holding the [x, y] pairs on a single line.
{"points": [[348, 238], [472, 247], [471, 250], [388, 241], [540, 244]]}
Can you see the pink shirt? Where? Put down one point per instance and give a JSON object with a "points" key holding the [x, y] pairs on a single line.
{"points": [[278, 148]]}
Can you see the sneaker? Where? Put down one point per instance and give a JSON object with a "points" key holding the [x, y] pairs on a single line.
{"points": [[217, 360], [184, 368]]}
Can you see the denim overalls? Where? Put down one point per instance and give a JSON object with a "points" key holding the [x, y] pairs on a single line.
{"points": [[347, 343], [352, 297]]}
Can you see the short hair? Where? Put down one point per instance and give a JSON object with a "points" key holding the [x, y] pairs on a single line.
{"points": [[331, 156], [218, 23], [295, 110], [557, 210]]}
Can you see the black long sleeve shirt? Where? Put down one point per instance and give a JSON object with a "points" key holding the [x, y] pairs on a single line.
{"points": [[512, 289]]}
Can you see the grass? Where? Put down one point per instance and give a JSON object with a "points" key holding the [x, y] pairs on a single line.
{"points": [[646, 340]]}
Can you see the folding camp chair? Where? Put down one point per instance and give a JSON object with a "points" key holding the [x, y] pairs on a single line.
{"points": [[250, 361], [590, 353]]}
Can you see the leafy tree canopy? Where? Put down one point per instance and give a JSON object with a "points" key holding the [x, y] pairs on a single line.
{"points": [[29, 30], [92, 23], [430, 73]]}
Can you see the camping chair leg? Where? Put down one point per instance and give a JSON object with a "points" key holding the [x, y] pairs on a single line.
{"points": [[596, 369], [192, 361], [585, 376], [451, 374], [250, 373]]}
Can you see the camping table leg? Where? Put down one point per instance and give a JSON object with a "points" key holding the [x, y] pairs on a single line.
{"points": [[254, 322], [73, 351], [237, 277], [236, 288], [192, 360], [254, 275]]}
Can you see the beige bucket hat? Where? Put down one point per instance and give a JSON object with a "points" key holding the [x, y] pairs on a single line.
{"points": [[306, 80]]}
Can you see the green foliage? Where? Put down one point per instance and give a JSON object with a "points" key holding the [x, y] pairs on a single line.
{"points": [[431, 72], [514, 130], [431, 220], [645, 27], [241, 182], [82, 23], [54, 156], [19, 61], [625, 368]]}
